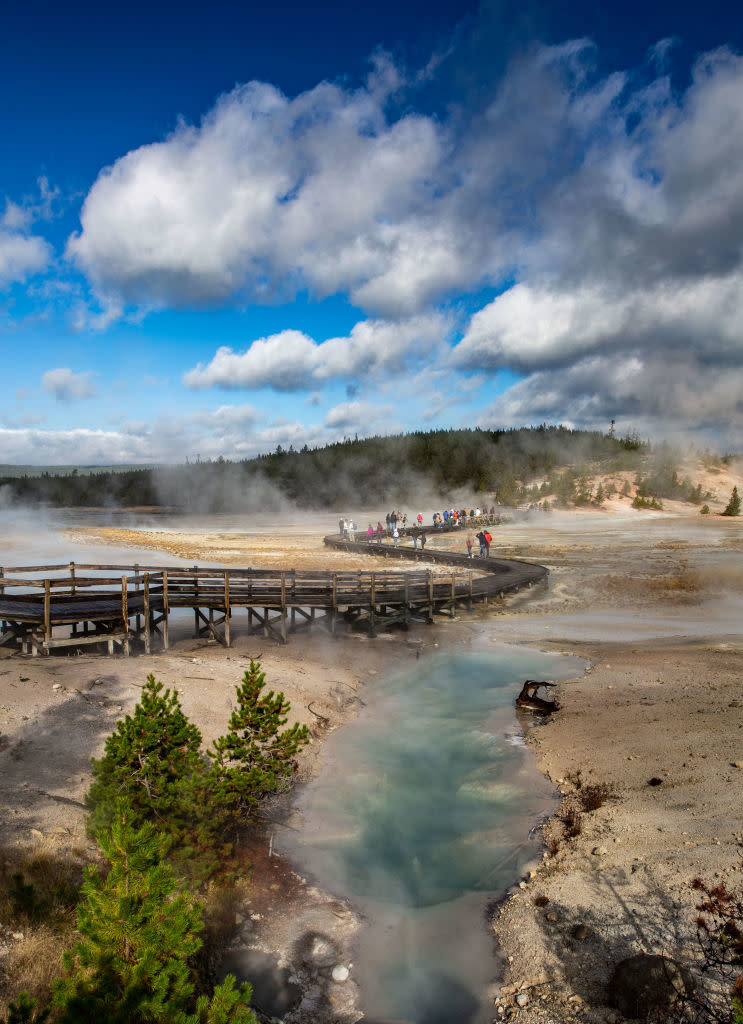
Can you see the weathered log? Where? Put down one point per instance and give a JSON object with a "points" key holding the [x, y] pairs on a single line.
{"points": [[529, 699]]}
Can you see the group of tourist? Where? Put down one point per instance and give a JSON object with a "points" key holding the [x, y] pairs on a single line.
{"points": [[347, 528], [392, 531], [399, 521], [460, 516], [485, 540], [396, 524]]}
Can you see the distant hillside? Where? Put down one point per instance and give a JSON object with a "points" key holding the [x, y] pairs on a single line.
{"points": [[507, 467]]}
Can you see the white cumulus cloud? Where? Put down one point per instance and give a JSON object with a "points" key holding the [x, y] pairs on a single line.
{"points": [[291, 360]]}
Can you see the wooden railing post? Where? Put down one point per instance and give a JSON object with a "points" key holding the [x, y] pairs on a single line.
{"points": [[196, 600], [137, 620], [47, 610], [72, 578], [147, 613], [166, 610], [227, 607], [125, 613], [283, 606]]}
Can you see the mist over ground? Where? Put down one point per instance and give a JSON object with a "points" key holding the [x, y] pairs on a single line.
{"points": [[443, 467]]}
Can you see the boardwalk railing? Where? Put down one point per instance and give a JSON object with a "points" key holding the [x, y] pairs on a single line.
{"points": [[43, 607]]}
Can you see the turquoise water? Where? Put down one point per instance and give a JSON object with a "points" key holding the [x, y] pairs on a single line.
{"points": [[421, 817]]}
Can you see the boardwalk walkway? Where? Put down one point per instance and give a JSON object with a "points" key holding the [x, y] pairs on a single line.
{"points": [[52, 606]]}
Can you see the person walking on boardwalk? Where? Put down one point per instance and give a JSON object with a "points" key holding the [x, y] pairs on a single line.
{"points": [[469, 547], [488, 542], [380, 532], [423, 540], [483, 543], [415, 541], [395, 537], [370, 534]]}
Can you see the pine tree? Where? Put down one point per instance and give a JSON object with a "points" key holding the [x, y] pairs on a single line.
{"points": [[255, 757], [733, 506], [138, 931], [152, 761]]}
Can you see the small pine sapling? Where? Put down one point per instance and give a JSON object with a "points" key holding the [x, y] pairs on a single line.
{"points": [[138, 929], [137, 933], [152, 761], [257, 755], [24, 1011]]}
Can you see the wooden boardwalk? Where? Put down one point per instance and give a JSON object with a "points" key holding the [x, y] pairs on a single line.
{"points": [[45, 607]]}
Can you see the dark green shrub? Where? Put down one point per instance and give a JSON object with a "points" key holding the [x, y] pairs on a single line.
{"points": [[733, 506]]}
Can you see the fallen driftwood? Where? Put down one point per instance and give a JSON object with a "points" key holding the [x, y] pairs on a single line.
{"points": [[323, 720], [528, 698]]}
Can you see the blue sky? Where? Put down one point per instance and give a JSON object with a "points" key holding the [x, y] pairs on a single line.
{"points": [[226, 229]]}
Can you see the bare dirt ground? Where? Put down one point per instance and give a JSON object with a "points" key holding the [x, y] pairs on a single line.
{"points": [[654, 604], [653, 601]]}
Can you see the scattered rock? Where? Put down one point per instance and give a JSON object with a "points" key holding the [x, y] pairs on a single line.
{"points": [[57, 686], [553, 916], [646, 985], [655, 781], [599, 851], [581, 932], [318, 950], [737, 764], [522, 999], [339, 973]]}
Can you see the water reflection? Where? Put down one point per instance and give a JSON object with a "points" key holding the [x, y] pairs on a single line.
{"points": [[421, 816]]}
